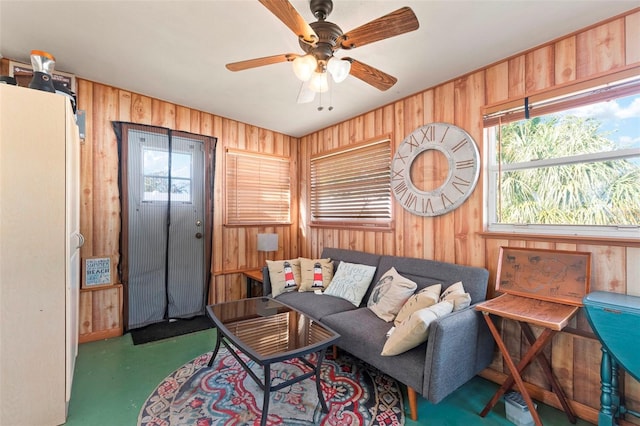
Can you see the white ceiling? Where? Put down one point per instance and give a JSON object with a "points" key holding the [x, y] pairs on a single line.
{"points": [[176, 50]]}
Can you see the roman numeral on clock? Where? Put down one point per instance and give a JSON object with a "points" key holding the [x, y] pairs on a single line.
{"points": [[411, 201], [459, 145], [429, 133], [400, 189], [465, 164], [397, 175], [458, 183], [445, 200]]}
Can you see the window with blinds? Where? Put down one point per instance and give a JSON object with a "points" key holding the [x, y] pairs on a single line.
{"points": [[257, 188], [352, 186]]}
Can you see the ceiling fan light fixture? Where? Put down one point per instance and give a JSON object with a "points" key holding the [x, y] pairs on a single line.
{"points": [[339, 69], [319, 82], [304, 66]]}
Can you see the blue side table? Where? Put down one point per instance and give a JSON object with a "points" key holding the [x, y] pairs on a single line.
{"points": [[614, 318]]}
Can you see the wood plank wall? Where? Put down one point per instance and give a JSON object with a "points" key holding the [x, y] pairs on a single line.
{"points": [[607, 47], [234, 248]]}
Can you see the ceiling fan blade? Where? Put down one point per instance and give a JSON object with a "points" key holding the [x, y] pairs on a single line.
{"points": [[305, 95], [395, 23], [291, 18], [371, 75], [259, 62]]}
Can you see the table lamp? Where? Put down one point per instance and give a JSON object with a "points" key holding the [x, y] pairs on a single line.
{"points": [[267, 242]]}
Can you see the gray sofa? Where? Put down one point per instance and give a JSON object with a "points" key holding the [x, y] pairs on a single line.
{"points": [[459, 344]]}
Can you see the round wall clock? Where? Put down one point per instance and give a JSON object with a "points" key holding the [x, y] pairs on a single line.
{"points": [[463, 158]]}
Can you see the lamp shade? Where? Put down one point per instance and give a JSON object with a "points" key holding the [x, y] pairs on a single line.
{"points": [[339, 69], [318, 82], [267, 242], [304, 66]]}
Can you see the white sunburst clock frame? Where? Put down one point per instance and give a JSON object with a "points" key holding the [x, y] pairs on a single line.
{"points": [[463, 159]]}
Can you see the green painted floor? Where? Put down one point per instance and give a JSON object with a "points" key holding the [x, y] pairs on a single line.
{"points": [[113, 378]]}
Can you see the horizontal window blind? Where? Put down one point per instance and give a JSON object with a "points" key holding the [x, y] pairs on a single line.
{"points": [[258, 188], [352, 184], [538, 106]]}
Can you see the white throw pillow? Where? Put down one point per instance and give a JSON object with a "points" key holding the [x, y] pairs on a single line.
{"points": [[424, 298], [315, 274], [415, 329], [350, 282], [456, 294], [389, 294], [284, 275]]}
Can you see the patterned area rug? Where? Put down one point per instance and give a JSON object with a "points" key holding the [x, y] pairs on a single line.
{"points": [[356, 395]]}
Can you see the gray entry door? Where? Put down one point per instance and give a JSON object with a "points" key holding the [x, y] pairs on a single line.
{"points": [[166, 227]]}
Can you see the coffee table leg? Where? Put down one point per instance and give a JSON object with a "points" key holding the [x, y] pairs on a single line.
{"points": [[215, 350], [323, 404], [267, 394]]}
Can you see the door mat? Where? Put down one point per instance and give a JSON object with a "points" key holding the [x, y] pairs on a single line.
{"points": [[167, 329]]}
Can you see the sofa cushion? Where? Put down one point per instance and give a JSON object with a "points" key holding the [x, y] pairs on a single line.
{"points": [[316, 306], [425, 272], [389, 294], [284, 275], [455, 294], [424, 298], [363, 335], [315, 274], [351, 281], [415, 329]]}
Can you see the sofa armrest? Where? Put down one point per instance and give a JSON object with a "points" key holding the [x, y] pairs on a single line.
{"points": [[266, 282], [460, 345]]}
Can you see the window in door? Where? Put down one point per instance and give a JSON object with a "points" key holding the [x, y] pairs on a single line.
{"points": [[156, 181]]}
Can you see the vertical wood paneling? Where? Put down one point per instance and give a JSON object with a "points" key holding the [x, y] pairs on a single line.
{"points": [[124, 106], [163, 114], [444, 235], [565, 60], [632, 263], [183, 119], [632, 39], [539, 69], [106, 198], [586, 371], [632, 396], [517, 77], [497, 83], [468, 94], [141, 109], [608, 273], [600, 49], [562, 364], [413, 225]]}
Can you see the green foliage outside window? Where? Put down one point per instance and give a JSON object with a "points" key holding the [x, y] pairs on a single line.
{"points": [[588, 192]]}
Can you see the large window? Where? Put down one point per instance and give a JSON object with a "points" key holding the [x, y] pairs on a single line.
{"points": [[352, 186], [568, 165], [258, 188]]}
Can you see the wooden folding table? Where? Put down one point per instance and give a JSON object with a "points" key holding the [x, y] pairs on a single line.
{"points": [[553, 317]]}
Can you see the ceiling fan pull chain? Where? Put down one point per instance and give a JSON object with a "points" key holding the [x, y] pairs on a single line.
{"points": [[320, 107], [330, 96]]}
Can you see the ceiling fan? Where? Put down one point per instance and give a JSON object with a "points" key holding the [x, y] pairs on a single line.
{"points": [[321, 39]]}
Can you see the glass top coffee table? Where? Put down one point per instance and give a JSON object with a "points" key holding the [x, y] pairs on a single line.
{"points": [[268, 331]]}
